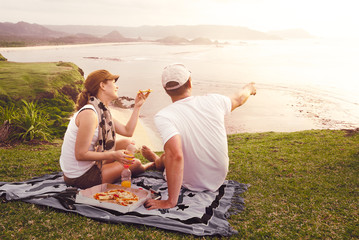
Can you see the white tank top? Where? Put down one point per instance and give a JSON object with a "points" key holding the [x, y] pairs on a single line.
{"points": [[71, 167]]}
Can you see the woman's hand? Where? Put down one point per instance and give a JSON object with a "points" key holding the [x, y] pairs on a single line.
{"points": [[124, 157], [141, 98]]}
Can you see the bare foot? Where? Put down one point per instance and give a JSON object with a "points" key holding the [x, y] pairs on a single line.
{"points": [[149, 154]]}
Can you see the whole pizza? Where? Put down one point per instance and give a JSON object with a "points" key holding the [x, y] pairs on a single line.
{"points": [[118, 196]]}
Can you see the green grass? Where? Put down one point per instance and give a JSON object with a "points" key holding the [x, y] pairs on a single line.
{"points": [[2, 58], [304, 185], [29, 80]]}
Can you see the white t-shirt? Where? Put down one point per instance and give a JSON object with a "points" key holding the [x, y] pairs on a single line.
{"points": [[199, 120], [70, 166]]}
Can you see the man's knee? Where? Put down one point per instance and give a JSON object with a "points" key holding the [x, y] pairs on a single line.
{"points": [[161, 163]]}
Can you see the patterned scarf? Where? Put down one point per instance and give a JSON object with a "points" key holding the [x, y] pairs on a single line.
{"points": [[106, 134]]}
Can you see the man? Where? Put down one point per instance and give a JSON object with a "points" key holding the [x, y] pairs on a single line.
{"points": [[194, 136]]}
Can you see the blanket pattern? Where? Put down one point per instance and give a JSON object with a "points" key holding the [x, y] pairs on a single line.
{"points": [[197, 213]]}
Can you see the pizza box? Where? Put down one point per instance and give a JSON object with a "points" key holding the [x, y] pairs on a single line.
{"points": [[86, 196]]}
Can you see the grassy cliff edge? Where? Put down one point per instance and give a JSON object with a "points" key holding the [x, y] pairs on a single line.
{"points": [[53, 86]]}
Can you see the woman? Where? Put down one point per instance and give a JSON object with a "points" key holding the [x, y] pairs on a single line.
{"points": [[90, 154]]}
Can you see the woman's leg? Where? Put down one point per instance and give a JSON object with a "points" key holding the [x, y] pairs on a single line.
{"points": [[137, 167], [111, 171], [122, 144]]}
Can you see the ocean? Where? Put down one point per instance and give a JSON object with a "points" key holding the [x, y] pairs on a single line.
{"points": [[301, 84]]}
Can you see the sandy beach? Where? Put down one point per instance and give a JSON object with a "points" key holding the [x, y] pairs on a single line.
{"points": [[290, 110], [143, 135]]}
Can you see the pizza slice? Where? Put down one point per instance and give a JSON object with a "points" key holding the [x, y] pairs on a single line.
{"points": [[145, 91]]}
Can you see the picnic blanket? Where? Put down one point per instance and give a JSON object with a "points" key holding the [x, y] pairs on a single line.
{"points": [[197, 213]]}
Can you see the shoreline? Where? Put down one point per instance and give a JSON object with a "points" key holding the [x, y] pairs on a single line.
{"points": [[292, 110], [42, 47]]}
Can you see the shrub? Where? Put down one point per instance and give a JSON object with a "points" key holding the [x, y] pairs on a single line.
{"points": [[31, 123], [5, 131], [7, 114], [58, 110]]}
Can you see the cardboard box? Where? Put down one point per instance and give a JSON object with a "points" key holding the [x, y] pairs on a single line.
{"points": [[86, 196]]}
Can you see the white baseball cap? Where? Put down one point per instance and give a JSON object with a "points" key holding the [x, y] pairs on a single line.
{"points": [[176, 72]]}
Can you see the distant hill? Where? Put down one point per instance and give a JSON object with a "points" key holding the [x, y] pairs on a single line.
{"points": [[26, 34], [201, 41], [156, 32], [173, 40], [27, 29], [116, 36]]}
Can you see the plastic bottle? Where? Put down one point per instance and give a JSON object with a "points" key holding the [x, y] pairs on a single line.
{"points": [[126, 177]]}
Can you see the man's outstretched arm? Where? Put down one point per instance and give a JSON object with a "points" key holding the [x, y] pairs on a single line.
{"points": [[241, 96]]}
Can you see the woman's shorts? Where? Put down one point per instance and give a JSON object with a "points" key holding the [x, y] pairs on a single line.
{"points": [[89, 179]]}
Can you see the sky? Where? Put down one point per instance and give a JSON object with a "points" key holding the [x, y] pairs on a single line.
{"points": [[322, 18]]}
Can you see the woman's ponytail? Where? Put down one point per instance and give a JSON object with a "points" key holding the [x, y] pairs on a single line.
{"points": [[82, 99]]}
